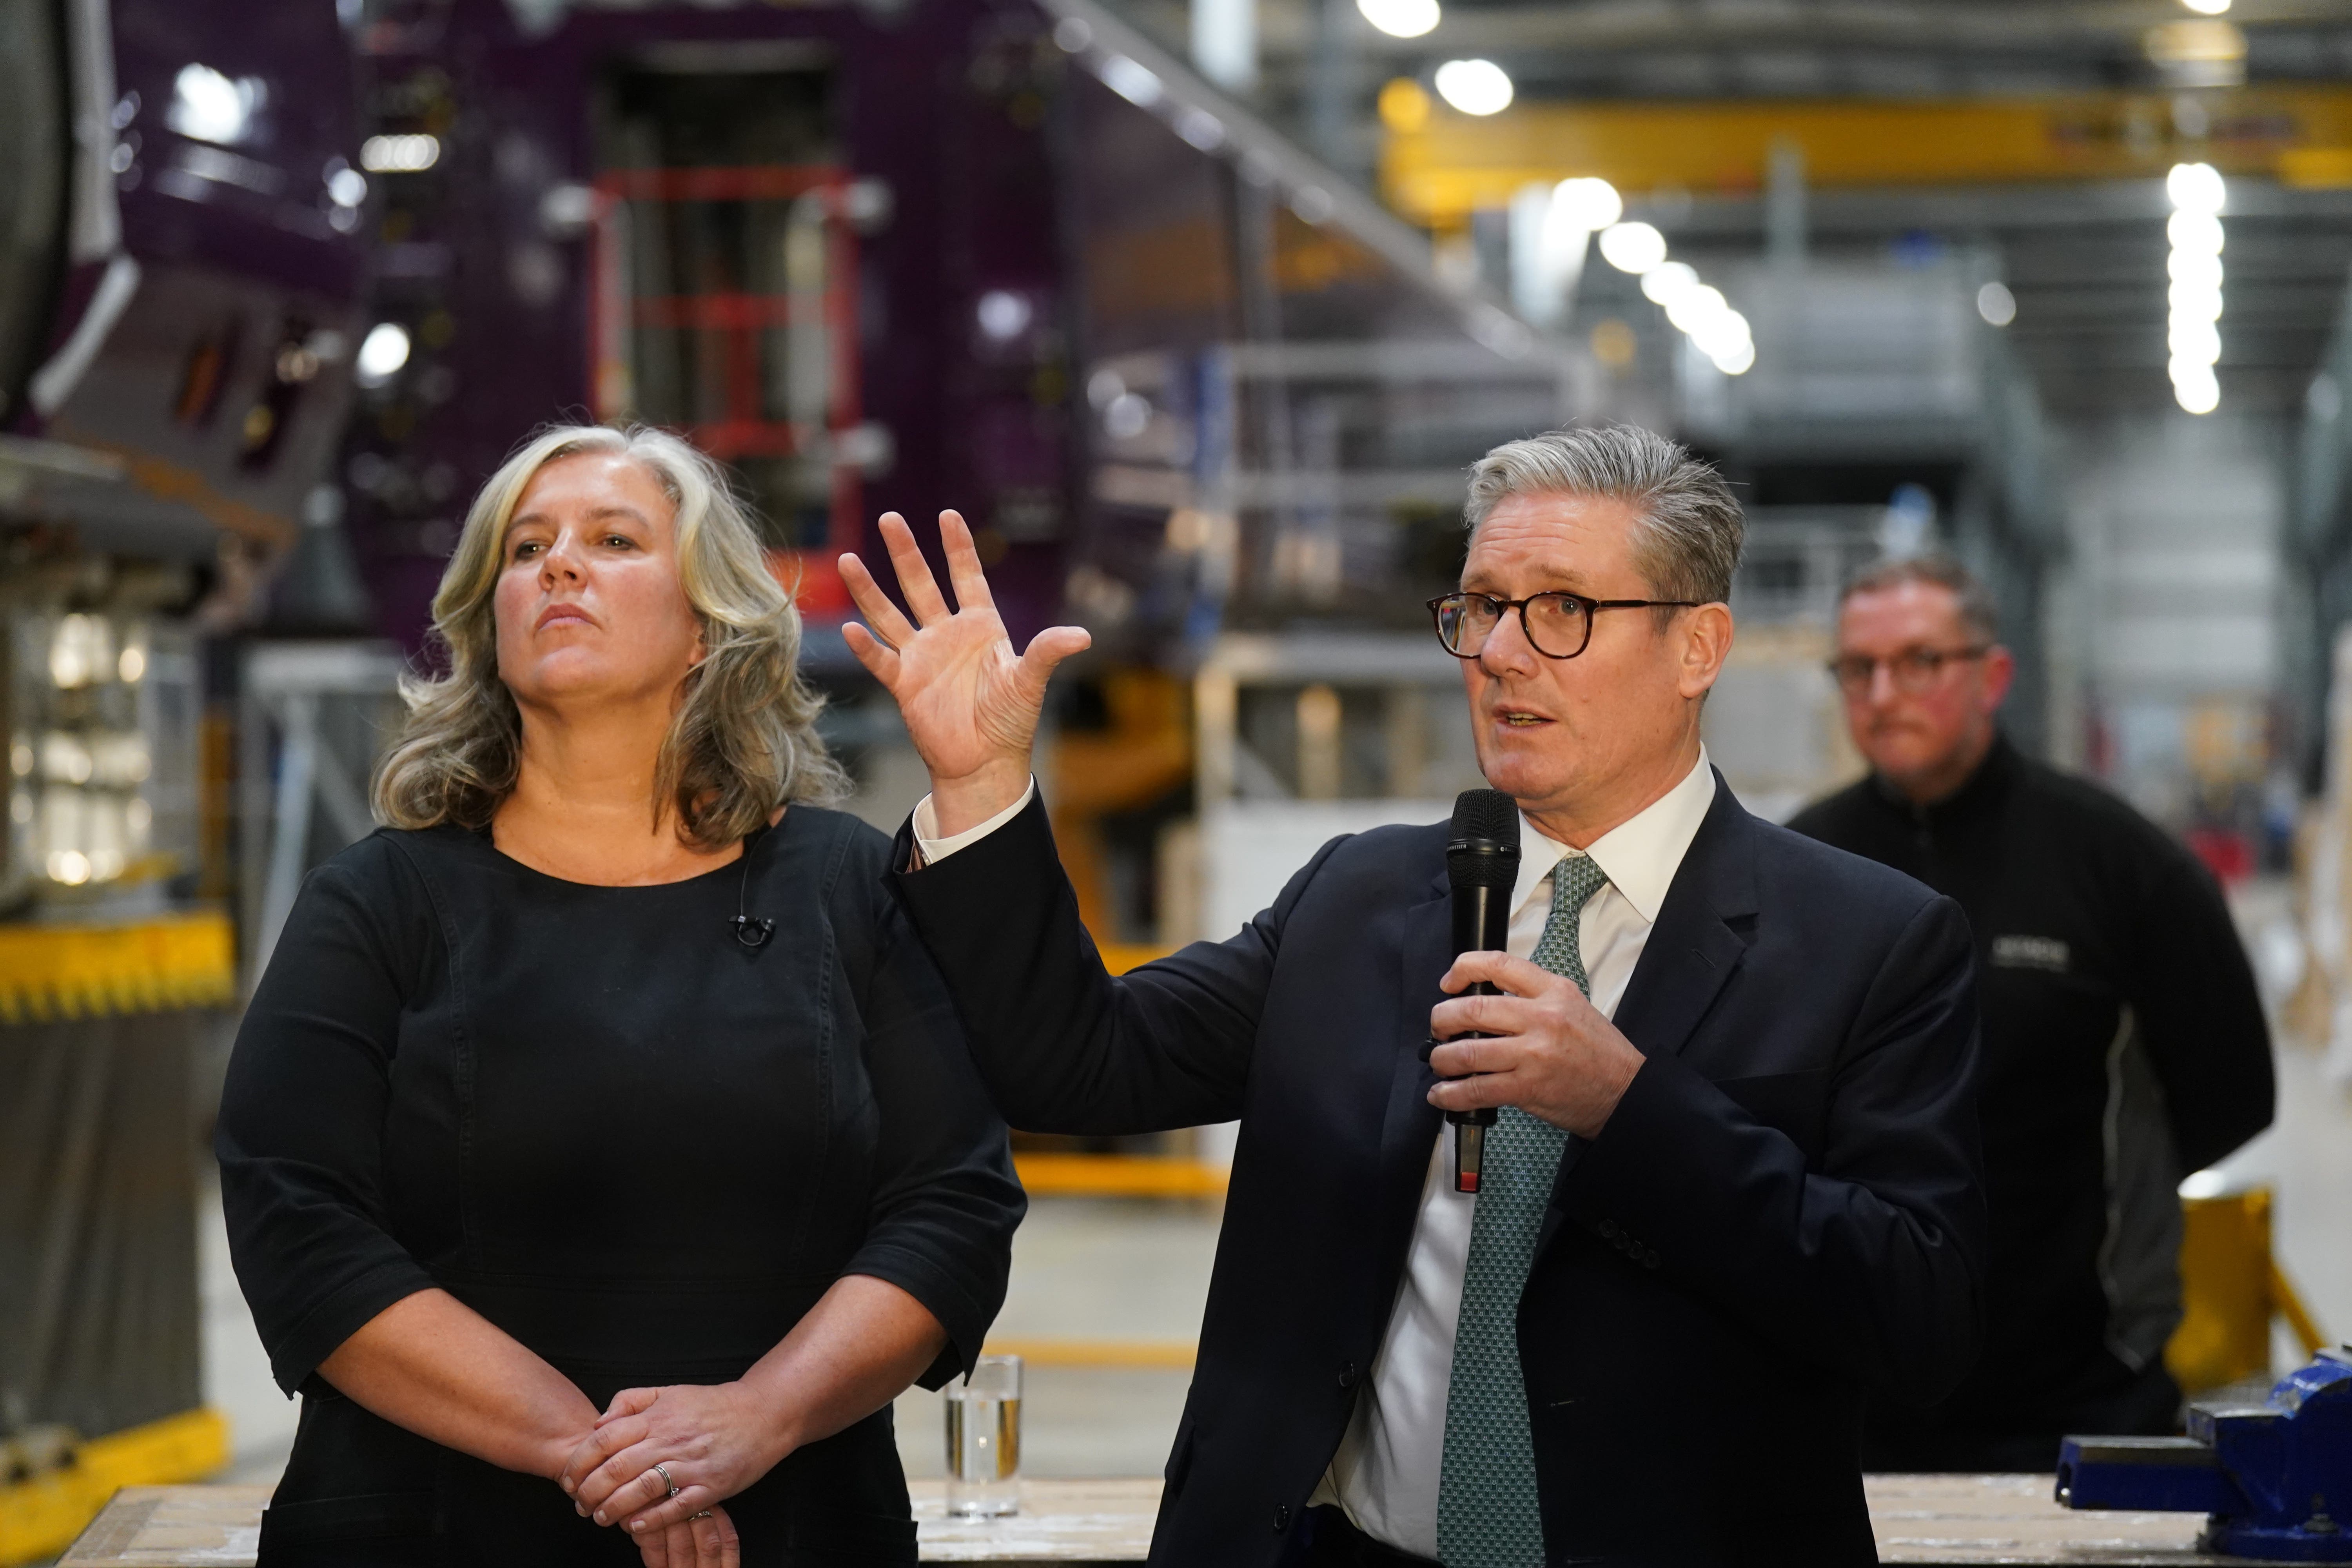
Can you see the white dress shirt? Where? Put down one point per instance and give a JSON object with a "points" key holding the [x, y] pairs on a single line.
{"points": [[1386, 1472], [934, 849]]}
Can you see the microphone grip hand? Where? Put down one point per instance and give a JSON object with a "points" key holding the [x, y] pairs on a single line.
{"points": [[1483, 1116]]}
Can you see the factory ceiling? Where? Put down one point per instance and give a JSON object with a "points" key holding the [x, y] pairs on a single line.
{"points": [[1805, 47], [2084, 257]]}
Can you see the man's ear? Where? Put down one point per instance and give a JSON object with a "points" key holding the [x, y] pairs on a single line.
{"points": [[2000, 671], [1706, 637]]}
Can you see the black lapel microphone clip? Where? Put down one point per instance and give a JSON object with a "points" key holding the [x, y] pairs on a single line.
{"points": [[749, 929]]}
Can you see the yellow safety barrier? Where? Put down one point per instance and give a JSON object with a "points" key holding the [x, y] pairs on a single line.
{"points": [[2231, 1289], [1120, 1176], [78, 972], [40, 1517]]}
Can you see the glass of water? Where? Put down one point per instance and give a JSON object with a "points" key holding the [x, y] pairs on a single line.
{"points": [[984, 1440]]}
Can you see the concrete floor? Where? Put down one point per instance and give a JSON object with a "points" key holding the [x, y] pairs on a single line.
{"points": [[1091, 1274], [2305, 1158]]}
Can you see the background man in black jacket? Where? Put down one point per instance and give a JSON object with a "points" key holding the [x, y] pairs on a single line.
{"points": [[1730, 1189], [2123, 1042]]}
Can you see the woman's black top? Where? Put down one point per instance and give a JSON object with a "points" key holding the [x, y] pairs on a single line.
{"points": [[637, 1145]]}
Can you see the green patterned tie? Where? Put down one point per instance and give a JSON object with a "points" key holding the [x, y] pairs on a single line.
{"points": [[1486, 1512]]}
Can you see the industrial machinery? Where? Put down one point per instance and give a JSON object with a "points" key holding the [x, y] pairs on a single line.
{"points": [[1009, 257], [179, 289], [822, 242], [991, 253], [2272, 1476]]}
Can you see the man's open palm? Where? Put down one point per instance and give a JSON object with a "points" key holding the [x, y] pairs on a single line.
{"points": [[969, 703]]}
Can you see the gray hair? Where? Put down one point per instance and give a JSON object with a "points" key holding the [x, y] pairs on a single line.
{"points": [[1937, 570], [1687, 542], [743, 740]]}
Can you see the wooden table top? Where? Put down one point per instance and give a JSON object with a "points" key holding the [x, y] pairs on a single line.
{"points": [[1059, 1521], [1954, 1519], [174, 1527], [1920, 1519]]}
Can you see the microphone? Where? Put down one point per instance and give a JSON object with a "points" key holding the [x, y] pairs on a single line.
{"points": [[750, 929], [1482, 865]]}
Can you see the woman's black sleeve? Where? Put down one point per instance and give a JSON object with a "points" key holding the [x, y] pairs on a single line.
{"points": [[945, 1200], [301, 1119]]}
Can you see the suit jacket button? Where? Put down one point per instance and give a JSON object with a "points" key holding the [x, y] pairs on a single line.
{"points": [[1609, 1228], [1281, 1517], [1348, 1375], [1649, 1260]]}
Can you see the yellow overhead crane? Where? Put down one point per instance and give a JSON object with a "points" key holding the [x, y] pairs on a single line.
{"points": [[1438, 166]]}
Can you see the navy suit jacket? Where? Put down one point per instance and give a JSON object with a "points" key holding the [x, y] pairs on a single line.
{"points": [[1784, 1210]]}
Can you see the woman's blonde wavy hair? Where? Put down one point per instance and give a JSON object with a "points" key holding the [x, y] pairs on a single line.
{"points": [[744, 741]]}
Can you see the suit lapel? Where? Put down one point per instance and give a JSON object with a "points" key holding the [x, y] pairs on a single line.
{"points": [[1410, 1121], [1700, 938], [1701, 934]]}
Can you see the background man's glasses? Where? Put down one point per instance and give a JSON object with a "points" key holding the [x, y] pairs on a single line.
{"points": [[1913, 670], [1558, 626]]}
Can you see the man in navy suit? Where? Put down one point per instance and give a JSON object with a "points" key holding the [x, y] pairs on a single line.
{"points": [[1734, 1183]]}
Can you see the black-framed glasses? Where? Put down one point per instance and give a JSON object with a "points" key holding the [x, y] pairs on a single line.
{"points": [[1913, 672], [1558, 624]]}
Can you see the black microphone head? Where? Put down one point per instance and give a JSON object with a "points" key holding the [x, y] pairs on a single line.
{"points": [[1483, 849]]}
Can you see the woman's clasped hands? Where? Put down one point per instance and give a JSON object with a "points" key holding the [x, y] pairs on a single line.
{"points": [[713, 1441]]}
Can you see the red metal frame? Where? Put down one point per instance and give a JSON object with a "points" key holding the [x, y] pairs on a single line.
{"points": [[736, 320]]}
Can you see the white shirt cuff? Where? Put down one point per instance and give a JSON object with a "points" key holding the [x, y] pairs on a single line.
{"points": [[934, 850]]}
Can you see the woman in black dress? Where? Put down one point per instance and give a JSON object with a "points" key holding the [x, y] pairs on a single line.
{"points": [[600, 1150]]}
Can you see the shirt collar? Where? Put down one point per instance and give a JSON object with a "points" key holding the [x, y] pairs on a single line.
{"points": [[1640, 855]]}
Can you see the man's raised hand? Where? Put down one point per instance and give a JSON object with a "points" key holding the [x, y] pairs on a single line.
{"points": [[969, 703]]}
